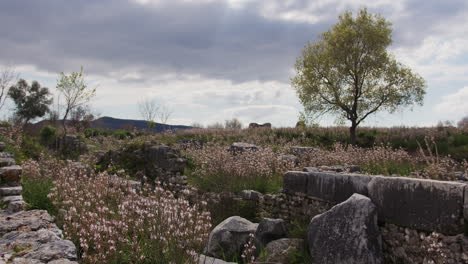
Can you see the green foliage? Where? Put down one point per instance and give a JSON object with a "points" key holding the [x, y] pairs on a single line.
{"points": [[48, 135], [31, 101], [75, 92], [31, 148], [219, 182], [35, 193], [348, 72]]}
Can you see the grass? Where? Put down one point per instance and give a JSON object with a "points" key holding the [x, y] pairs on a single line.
{"points": [[35, 193]]}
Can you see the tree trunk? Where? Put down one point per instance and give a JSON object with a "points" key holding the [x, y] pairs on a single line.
{"points": [[352, 133]]}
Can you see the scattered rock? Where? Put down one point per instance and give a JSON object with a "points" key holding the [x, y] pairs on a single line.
{"points": [[228, 238], [279, 251], [239, 147], [71, 144], [209, 260], [290, 159], [300, 151], [270, 229], [250, 195], [347, 233]]}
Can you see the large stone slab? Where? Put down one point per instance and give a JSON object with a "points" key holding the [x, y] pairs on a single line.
{"points": [[295, 181], [347, 233], [419, 204], [336, 187]]}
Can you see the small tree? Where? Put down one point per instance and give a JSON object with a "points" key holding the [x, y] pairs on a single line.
{"points": [[148, 110], [7, 77], [31, 101], [164, 114], [348, 72], [233, 123], [75, 92]]}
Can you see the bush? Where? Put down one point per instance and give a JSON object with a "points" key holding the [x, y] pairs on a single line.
{"points": [[36, 187], [48, 135], [31, 148]]}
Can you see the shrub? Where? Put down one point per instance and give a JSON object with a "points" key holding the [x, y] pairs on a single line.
{"points": [[47, 135], [36, 187], [112, 222]]}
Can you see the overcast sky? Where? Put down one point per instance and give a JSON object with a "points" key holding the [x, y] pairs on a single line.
{"points": [[211, 60]]}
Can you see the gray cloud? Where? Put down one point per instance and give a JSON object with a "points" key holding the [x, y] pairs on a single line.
{"points": [[209, 39]]}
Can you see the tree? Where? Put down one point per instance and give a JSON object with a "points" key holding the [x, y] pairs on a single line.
{"points": [[348, 72], [148, 110], [31, 101], [164, 113], [7, 77], [75, 92], [233, 123], [81, 118]]}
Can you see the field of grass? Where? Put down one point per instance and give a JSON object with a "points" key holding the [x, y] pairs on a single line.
{"points": [[129, 221]]}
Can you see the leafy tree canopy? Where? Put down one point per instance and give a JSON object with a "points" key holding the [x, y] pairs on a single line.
{"points": [[349, 73], [31, 101]]}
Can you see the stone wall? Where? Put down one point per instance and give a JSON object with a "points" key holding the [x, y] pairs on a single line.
{"points": [[27, 237], [409, 210]]}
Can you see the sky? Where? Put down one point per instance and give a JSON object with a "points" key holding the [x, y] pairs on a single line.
{"points": [[212, 60]]}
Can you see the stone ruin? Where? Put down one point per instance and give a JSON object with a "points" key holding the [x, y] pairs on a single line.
{"points": [[27, 237], [355, 218]]}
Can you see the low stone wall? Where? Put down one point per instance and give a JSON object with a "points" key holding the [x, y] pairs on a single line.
{"points": [[27, 237], [409, 210]]}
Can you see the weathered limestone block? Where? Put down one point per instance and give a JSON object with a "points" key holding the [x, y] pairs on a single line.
{"points": [[347, 233], [54, 250], [270, 229], [420, 204], [295, 181], [279, 251], [336, 187], [32, 220], [465, 206], [239, 147], [9, 191], [11, 174], [7, 162], [209, 260], [228, 238]]}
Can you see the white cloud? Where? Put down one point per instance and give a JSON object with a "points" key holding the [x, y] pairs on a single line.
{"points": [[454, 104]]}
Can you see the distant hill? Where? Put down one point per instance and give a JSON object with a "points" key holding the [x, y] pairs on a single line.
{"points": [[114, 124]]}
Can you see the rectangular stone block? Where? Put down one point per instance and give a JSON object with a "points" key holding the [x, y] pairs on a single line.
{"points": [[334, 187], [465, 206], [427, 205], [295, 181]]}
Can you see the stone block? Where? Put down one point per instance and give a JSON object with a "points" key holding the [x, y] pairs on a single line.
{"points": [[9, 191], [11, 174], [427, 205], [336, 187], [295, 181]]}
